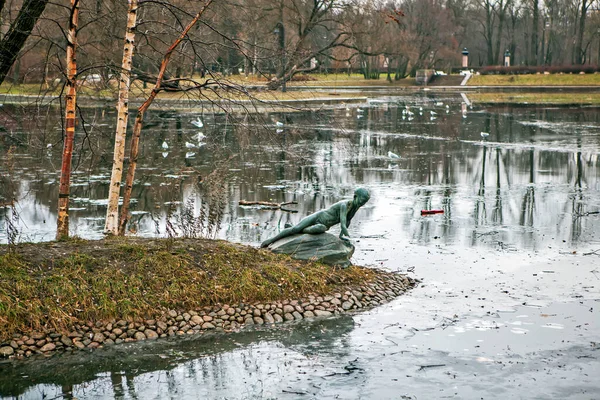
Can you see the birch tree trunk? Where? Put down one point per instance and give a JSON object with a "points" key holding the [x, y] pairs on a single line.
{"points": [[137, 128], [62, 225], [112, 212]]}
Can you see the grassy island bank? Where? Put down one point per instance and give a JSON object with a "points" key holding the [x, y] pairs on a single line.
{"points": [[85, 294]]}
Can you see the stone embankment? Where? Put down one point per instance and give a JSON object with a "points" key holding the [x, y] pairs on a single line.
{"points": [[221, 318]]}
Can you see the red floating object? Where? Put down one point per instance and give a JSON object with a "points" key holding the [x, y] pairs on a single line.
{"points": [[429, 212]]}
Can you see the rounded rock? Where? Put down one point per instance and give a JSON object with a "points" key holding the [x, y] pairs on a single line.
{"points": [[98, 337], [269, 318], [48, 347], [287, 309], [208, 325], [150, 334], [6, 351]]}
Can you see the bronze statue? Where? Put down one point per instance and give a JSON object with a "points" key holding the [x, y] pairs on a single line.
{"points": [[341, 212]]}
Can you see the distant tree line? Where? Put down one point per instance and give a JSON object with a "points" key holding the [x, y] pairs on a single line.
{"points": [[280, 38]]}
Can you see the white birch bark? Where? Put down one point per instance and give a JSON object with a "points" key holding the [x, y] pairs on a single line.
{"points": [[112, 212]]}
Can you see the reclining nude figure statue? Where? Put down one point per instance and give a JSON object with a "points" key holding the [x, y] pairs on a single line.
{"points": [[341, 213]]}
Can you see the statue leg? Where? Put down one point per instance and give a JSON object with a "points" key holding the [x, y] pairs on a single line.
{"points": [[315, 229], [301, 226]]}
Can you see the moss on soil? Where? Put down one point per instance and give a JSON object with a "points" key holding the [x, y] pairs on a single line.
{"points": [[52, 285]]}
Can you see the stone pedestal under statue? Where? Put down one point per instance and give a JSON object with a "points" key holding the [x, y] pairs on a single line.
{"points": [[323, 247]]}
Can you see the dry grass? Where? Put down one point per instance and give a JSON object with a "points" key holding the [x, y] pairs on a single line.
{"points": [[51, 285], [536, 98], [535, 80]]}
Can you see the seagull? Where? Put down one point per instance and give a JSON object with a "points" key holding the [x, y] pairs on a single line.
{"points": [[393, 155], [279, 131], [484, 134], [165, 154], [49, 146], [432, 113], [190, 145], [279, 123], [199, 136], [165, 146], [439, 104], [190, 154], [360, 110], [198, 123], [410, 113]]}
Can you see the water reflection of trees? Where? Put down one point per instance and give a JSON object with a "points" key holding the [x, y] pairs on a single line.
{"points": [[205, 364], [534, 163]]}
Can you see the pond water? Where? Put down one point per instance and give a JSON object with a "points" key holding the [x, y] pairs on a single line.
{"points": [[509, 304]]}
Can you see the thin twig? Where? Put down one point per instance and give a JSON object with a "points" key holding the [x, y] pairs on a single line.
{"points": [[585, 214], [423, 367], [269, 205]]}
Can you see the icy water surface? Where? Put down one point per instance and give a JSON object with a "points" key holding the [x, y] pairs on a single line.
{"points": [[509, 303]]}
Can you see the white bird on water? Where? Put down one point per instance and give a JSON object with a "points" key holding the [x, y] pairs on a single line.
{"points": [[393, 155], [279, 123], [165, 146], [190, 145], [199, 136], [433, 113], [484, 134], [198, 123]]}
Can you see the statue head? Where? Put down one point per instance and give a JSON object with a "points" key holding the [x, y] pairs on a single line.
{"points": [[361, 196]]}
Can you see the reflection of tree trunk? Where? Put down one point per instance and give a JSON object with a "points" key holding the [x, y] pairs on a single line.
{"points": [[480, 212], [112, 211], [497, 214], [62, 228], [137, 128], [67, 392], [528, 207], [577, 208], [117, 385]]}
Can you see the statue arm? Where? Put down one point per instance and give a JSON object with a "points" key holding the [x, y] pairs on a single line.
{"points": [[343, 221]]}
